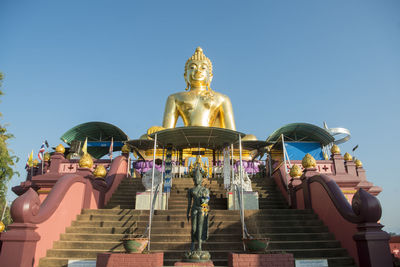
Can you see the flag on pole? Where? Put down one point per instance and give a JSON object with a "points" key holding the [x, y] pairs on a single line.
{"points": [[110, 151], [354, 148], [41, 151], [29, 163], [46, 143], [84, 148]]}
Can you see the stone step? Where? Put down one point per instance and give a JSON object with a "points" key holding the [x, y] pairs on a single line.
{"points": [[182, 217], [115, 206], [273, 206], [62, 261], [212, 237], [209, 245], [122, 202], [182, 190], [117, 197], [154, 237], [58, 262], [220, 212], [184, 223], [332, 261], [298, 253], [185, 200], [137, 186], [118, 246], [214, 205], [185, 228], [262, 200]]}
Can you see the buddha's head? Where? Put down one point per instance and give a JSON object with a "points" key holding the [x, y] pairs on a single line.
{"points": [[198, 70]]}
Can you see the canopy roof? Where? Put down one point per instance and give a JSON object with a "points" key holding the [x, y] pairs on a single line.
{"points": [[99, 136], [302, 132], [197, 136], [141, 144], [252, 144]]}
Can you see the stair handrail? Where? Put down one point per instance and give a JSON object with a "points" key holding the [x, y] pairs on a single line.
{"points": [[147, 232], [238, 195], [359, 231]]}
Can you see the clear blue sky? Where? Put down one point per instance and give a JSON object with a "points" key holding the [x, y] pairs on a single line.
{"points": [[70, 62]]}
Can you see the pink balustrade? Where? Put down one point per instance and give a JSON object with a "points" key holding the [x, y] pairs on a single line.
{"points": [[39, 219]]}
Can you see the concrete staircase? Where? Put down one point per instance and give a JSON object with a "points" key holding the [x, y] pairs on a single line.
{"points": [[294, 231]]}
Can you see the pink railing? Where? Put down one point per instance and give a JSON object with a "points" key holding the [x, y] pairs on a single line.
{"points": [[38, 224]]}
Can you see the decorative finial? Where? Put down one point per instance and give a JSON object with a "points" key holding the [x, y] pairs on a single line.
{"points": [[100, 171], [295, 171], [35, 162], [347, 157], [60, 149], [86, 161], [125, 149], [358, 163], [46, 156], [308, 161], [335, 149]]}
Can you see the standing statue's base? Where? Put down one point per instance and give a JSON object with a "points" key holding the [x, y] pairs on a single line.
{"points": [[197, 256], [193, 264]]}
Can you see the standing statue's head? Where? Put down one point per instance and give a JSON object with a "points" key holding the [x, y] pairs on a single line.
{"points": [[198, 70], [198, 178]]}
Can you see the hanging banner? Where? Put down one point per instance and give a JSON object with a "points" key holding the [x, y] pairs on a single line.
{"points": [[168, 169], [227, 168]]}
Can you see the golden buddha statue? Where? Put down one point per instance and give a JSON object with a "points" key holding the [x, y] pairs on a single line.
{"points": [[200, 106]]}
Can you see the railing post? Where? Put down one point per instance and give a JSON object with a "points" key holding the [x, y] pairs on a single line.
{"points": [[19, 245], [308, 172], [292, 195], [56, 160], [373, 245]]}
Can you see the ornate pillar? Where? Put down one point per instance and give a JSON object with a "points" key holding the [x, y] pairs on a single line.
{"points": [[19, 245], [309, 165], [338, 160], [373, 245]]}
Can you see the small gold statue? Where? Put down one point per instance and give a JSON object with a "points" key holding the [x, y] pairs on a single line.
{"points": [[200, 106]]}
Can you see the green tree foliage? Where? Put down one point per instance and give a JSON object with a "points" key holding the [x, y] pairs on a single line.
{"points": [[7, 164]]}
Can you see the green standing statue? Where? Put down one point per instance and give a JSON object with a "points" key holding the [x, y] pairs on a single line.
{"points": [[197, 211]]}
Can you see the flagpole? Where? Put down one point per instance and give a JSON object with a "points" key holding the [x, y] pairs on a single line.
{"points": [[4, 210], [5, 202]]}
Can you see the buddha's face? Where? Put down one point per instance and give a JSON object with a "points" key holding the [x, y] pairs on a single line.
{"points": [[198, 72]]}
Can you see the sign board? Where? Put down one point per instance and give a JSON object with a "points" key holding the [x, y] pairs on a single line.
{"points": [[81, 263], [312, 263]]}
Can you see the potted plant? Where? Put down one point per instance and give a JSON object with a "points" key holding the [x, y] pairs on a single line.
{"points": [[256, 242], [135, 243]]}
